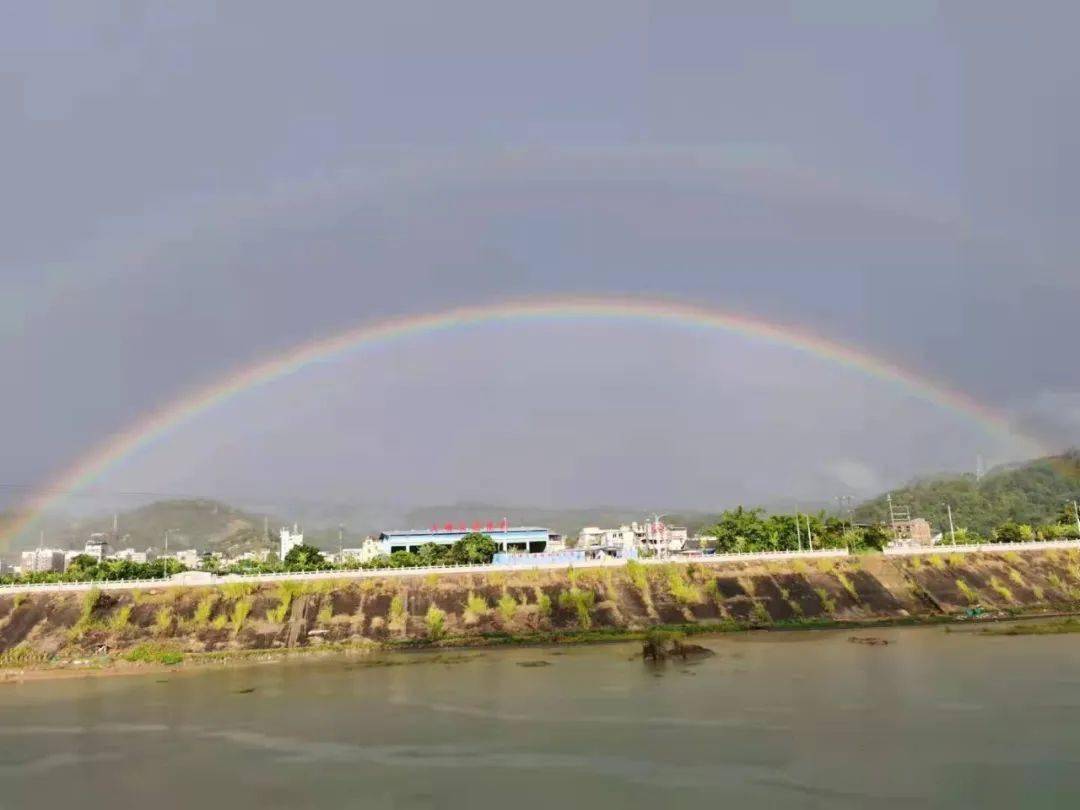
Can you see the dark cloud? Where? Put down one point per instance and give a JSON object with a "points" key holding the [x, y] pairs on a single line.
{"points": [[190, 191]]}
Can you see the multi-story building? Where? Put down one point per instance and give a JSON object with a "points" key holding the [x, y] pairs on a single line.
{"points": [[41, 560], [652, 534], [131, 555], [290, 540], [97, 546], [368, 551]]}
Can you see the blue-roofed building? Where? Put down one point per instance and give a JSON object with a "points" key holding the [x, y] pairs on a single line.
{"points": [[529, 539]]}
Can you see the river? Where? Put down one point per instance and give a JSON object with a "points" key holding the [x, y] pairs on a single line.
{"points": [[801, 720]]}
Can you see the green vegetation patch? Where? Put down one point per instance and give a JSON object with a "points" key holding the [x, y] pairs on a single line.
{"points": [[154, 654]]}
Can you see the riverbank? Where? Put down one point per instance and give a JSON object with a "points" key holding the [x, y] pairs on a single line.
{"points": [[168, 627]]}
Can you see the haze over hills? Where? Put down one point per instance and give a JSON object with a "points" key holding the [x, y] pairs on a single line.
{"points": [[1034, 492]]}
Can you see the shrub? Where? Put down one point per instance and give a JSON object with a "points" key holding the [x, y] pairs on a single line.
{"points": [[1038, 591], [637, 575], [285, 593], [1017, 579], [849, 586], [543, 605], [326, 613], [435, 620], [937, 561], [220, 621], [163, 620], [240, 613], [966, 590], [682, 591], [507, 608], [204, 609], [712, 591], [827, 601], [760, 615], [237, 590], [1000, 589], [475, 608], [17, 600], [581, 602], [398, 619], [89, 603], [120, 619]]}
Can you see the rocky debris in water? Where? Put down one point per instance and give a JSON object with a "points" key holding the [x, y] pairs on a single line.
{"points": [[661, 645], [534, 663], [869, 641], [245, 691]]}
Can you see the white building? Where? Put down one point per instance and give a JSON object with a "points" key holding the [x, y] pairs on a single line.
{"points": [[368, 551], [290, 540], [652, 534], [131, 555], [188, 557], [97, 546], [42, 559]]}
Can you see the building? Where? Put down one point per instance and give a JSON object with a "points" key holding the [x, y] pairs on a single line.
{"points": [[651, 534], [659, 536], [188, 557], [131, 555], [41, 560], [290, 540], [97, 546], [530, 539], [367, 552], [912, 532]]}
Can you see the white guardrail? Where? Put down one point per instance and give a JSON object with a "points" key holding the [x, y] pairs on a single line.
{"points": [[970, 548]]}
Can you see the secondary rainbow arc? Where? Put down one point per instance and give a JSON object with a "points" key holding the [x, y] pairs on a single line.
{"points": [[160, 422]]}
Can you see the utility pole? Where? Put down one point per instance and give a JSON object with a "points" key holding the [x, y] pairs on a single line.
{"points": [[340, 540], [809, 534], [798, 531], [1076, 514], [952, 529]]}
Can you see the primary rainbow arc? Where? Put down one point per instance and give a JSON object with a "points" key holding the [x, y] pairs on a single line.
{"points": [[160, 422]]}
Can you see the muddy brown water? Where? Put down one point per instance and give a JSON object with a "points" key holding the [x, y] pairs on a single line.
{"points": [[799, 720]]}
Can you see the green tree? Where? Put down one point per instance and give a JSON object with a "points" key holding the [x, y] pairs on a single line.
{"points": [[304, 556], [1010, 532], [432, 554], [404, 559], [739, 530], [473, 549]]}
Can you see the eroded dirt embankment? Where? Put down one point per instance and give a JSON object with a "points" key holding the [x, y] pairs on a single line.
{"points": [[528, 605]]}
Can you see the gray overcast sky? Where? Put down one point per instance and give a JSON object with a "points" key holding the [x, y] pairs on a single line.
{"points": [[190, 187]]}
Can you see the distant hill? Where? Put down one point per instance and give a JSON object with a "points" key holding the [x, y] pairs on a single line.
{"points": [[1035, 492], [197, 523]]}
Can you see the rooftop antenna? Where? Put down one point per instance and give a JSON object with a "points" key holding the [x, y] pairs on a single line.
{"points": [[980, 470]]}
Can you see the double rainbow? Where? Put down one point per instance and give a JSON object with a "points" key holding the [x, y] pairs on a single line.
{"points": [[161, 422]]}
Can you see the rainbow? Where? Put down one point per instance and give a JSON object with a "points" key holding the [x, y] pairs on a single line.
{"points": [[161, 422]]}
